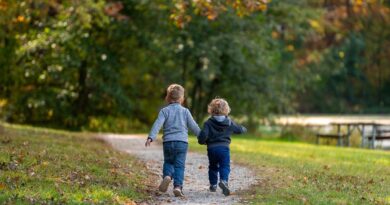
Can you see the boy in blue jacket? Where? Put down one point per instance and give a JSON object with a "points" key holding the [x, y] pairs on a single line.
{"points": [[216, 134]]}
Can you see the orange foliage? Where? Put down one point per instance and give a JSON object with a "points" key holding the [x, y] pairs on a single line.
{"points": [[113, 9], [212, 9], [3, 5]]}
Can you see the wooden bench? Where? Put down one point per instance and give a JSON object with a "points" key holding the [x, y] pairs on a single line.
{"points": [[376, 132], [339, 136], [379, 133]]}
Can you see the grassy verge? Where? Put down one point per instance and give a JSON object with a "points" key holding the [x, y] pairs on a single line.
{"points": [[42, 166], [298, 173]]}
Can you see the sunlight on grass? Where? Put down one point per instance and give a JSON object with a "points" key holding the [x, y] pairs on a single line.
{"points": [[382, 161], [41, 166], [320, 155], [100, 194], [296, 173]]}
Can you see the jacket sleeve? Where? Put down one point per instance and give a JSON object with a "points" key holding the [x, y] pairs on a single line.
{"points": [[191, 124], [238, 129], [157, 126], [202, 138]]}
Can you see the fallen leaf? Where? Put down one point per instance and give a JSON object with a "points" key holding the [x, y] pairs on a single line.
{"points": [[326, 167], [2, 186], [129, 202], [6, 141]]}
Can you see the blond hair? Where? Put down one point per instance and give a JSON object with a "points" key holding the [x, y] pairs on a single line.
{"points": [[218, 106], [175, 93]]}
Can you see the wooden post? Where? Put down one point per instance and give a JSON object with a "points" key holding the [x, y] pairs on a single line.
{"points": [[363, 137], [339, 141], [373, 136], [349, 135]]}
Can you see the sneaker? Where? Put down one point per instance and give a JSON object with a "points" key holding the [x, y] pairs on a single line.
{"points": [[225, 188], [213, 188], [178, 192], [165, 184]]}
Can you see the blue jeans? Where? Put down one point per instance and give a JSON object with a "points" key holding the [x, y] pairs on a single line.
{"points": [[219, 162], [175, 153]]}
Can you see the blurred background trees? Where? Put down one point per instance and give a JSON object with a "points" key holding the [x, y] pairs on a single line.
{"points": [[104, 65]]}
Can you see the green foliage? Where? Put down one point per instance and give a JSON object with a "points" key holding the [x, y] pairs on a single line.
{"points": [[63, 64], [297, 173], [41, 166], [111, 124], [351, 75]]}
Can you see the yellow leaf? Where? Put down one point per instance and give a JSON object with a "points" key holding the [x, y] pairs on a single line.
{"points": [[2, 186], [359, 2], [314, 23], [341, 54], [275, 34], [290, 48], [20, 19], [50, 113], [3, 102], [263, 7]]}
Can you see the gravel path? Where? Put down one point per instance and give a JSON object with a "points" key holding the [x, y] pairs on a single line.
{"points": [[196, 175]]}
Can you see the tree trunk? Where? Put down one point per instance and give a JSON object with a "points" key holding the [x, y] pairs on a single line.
{"points": [[81, 102], [196, 93]]}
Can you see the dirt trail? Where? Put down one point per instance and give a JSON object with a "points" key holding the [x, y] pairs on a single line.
{"points": [[196, 183]]}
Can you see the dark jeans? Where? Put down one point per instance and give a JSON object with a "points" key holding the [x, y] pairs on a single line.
{"points": [[219, 162], [175, 153]]}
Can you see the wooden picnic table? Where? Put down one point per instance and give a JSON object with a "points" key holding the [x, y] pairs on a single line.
{"points": [[375, 134]]}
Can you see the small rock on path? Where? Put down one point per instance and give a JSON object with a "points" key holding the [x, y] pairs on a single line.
{"points": [[196, 185]]}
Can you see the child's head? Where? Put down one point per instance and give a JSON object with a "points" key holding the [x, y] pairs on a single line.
{"points": [[175, 93], [218, 106]]}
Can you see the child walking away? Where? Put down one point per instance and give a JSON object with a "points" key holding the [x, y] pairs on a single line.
{"points": [[175, 120], [216, 134]]}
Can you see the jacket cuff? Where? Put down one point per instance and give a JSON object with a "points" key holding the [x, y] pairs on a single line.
{"points": [[150, 139]]}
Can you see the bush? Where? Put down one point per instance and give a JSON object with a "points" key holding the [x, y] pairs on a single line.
{"points": [[298, 133], [117, 125]]}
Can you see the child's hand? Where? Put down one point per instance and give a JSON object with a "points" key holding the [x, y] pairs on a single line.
{"points": [[148, 141]]}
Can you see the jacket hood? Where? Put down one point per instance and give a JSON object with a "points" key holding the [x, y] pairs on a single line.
{"points": [[220, 125]]}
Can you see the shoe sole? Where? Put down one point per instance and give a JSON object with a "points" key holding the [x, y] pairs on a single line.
{"points": [[178, 193], [165, 184], [225, 189]]}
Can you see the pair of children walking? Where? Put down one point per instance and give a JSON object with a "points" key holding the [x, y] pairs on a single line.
{"points": [[176, 120]]}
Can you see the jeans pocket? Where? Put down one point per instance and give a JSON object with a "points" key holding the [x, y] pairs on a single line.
{"points": [[181, 146]]}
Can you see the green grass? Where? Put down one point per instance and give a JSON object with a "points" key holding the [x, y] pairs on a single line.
{"points": [[298, 173], [42, 166]]}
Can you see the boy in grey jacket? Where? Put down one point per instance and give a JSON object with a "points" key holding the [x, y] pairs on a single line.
{"points": [[175, 120]]}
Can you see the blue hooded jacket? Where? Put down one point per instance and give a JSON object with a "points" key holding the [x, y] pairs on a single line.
{"points": [[217, 131]]}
